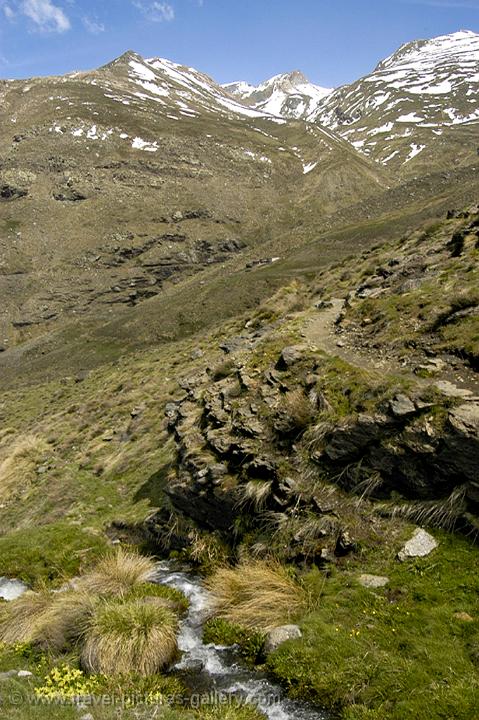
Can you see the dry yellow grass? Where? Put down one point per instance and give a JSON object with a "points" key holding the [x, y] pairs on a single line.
{"points": [[51, 621], [18, 467], [127, 637], [20, 619], [257, 595], [118, 573], [64, 621]]}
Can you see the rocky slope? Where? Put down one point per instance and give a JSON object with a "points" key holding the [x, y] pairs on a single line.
{"points": [[277, 430], [118, 182], [418, 109]]}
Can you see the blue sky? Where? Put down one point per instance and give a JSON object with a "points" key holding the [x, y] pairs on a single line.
{"points": [[331, 41]]}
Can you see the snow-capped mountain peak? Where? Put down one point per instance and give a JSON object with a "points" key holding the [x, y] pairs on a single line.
{"points": [[406, 106], [289, 95]]}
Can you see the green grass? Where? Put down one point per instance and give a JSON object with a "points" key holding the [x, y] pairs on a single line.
{"points": [[398, 652], [48, 553], [222, 632]]}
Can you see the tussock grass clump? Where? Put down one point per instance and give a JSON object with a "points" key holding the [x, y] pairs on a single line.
{"points": [[129, 636], [118, 573], [19, 620], [64, 621], [18, 467], [257, 595], [298, 409], [161, 595], [48, 621], [255, 494], [443, 513], [223, 370]]}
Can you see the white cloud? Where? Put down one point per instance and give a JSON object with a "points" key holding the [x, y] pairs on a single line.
{"points": [[45, 15], [92, 26], [156, 11], [8, 12]]}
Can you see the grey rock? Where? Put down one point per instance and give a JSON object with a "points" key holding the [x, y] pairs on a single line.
{"points": [[277, 636], [372, 581], [24, 674], [420, 545], [290, 356], [450, 390], [401, 406], [7, 675], [352, 438], [323, 305], [465, 419]]}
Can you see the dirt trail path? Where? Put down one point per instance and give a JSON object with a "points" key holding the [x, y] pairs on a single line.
{"points": [[319, 330]]}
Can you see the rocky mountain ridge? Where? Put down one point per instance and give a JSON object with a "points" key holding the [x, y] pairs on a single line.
{"points": [[289, 95], [405, 108]]}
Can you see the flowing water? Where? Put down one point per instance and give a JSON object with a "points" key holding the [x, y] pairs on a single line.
{"points": [[214, 673]]}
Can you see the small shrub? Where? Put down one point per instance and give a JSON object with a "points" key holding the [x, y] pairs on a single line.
{"points": [[456, 243], [129, 637], [256, 595], [207, 552]]}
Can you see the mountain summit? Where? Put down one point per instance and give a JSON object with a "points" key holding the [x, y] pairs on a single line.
{"points": [[289, 95], [411, 100]]}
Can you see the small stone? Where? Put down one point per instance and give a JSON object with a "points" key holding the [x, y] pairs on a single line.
{"points": [[345, 544], [340, 343], [7, 675], [277, 636], [88, 716], [137, 411], [420, 545], [463, 617], [372, 581], [401, 406], [24, 674], [323, 305]]}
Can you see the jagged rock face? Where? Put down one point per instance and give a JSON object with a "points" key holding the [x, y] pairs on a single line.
{"points": [[239, 451], [420, 105]]}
